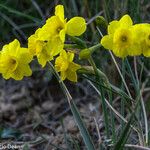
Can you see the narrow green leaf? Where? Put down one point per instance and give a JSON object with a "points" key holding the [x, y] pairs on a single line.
{"points": [[84, 132], [113, 88], [125, 134], [123, 138], [78, 41], [19, 13]]}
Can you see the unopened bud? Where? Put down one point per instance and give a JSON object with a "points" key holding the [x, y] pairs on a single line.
{"points": [[85, 54], [100, 21]]}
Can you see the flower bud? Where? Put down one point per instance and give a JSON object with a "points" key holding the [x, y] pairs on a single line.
{"points": [[85, 54], [100, 21]]}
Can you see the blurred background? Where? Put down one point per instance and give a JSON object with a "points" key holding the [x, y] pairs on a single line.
{"points": [[34, 107]]}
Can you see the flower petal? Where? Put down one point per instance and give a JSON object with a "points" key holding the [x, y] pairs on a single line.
{"points": [[59, 11], [76, 26], [72, 76], [107, 42], [126, 21], [63, 75], [113, 26]]}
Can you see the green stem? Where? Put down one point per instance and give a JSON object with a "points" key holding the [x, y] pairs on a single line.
{"points": [[102, 96], [78, 41], [112, 117], [71, 46], [95, 47], [122, 98], [123, 80]]}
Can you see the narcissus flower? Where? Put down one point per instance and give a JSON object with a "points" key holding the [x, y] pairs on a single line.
{"points": [[35, 45], [48, 41], [44, 50], [142, 32], [65, 65], [121, 38], [14, 61], [57, 26]]}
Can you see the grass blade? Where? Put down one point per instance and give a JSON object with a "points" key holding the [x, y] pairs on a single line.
{"points": [[125, 134], [19, 13], [82, 128], [123, 138]]}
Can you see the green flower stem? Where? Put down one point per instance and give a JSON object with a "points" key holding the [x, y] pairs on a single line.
{"points": [[102, 96], [122, 98], [86, 53], [71, 46], [62, 85], [112, 117], [94, 48], [123, 80], [78, 41]]}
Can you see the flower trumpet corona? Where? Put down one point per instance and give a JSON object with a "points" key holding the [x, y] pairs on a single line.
{"points": [[65, 65], [14, 61]]}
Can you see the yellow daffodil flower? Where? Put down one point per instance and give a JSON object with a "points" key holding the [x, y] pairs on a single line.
{"points": [[14, 61], [142, 32], [35, 45], [44, 50], [48, 41], [58, 26], [121, 38], [65, 65]]}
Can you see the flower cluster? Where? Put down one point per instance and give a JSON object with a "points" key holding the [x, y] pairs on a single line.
{"points": [[126, 39], [45, 44]]}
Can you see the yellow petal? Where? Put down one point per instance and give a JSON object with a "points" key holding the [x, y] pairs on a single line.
{"points": [[113, 26], [61, 64], [8, 63], [135, 50], [63, 75], [63, 54], [73, 66], [54, 46], [146, 52], [126, 21], [62, 35], [119, 52], [70, 56], [52, 28], [32, 44], [43, 57], [107, 42], [6, 75], [76, 26], [12, 48], [25, 57], [72, 76], [59, 11], [21, 71]]}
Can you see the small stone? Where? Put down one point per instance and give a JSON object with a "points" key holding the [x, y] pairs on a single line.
{"points": [[70, 125]]}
